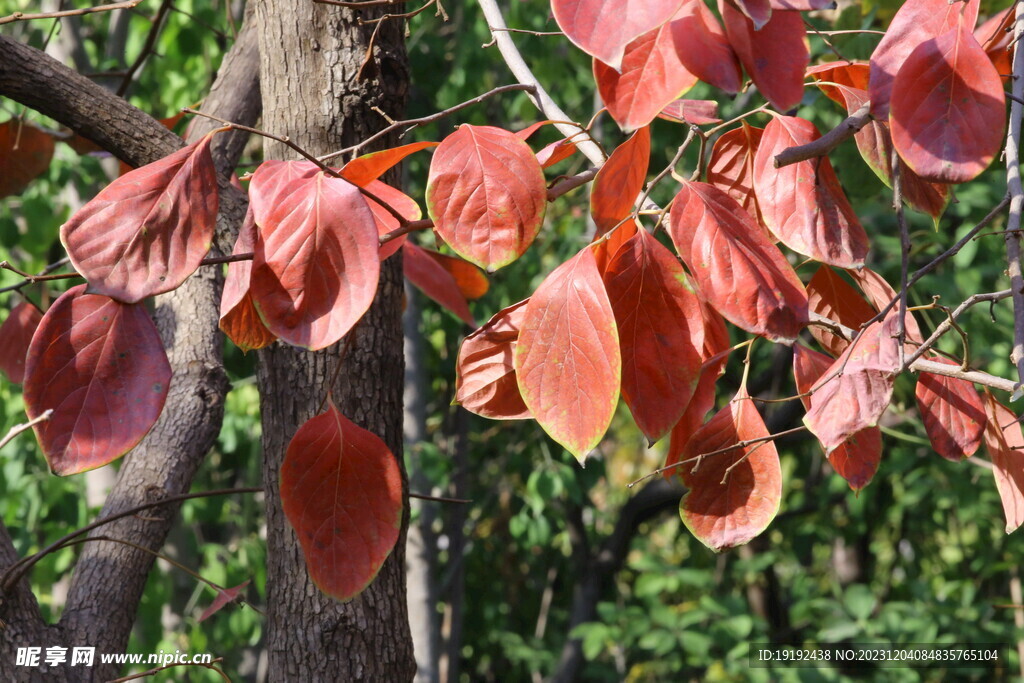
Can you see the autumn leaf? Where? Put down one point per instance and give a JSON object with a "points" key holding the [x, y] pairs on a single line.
{"points": [[368, 167], [832, 297], [239, 319], [434, 281], [1005, 444], [225, 596], [952, 412], [603, 28], [485, 381], [703, 48], [341, 491], [731, 167], [620, 181], [15, 336], [25, 154], [697, 112], [386, 221]]}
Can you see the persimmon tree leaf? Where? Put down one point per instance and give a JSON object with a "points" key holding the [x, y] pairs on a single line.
{"points": [[948, 109], [759, 12], [651, 76], [485, 380], [697, 112], [557, 151], [316, 260], [603, 28], [856, 389], [147, 231], [832, 297], [25, 154], [239, 319], [916, 22], [734, 265], [15, 336], [606, 245], [703, 48], [620, 181], [386, 221], [1005, 444], [470, 280], [775, 56], [567, 358], [733, 496], [341, 491], [879, 293], [434, 281], [856, 459], [361, 170], [661, 332], [100, 366], [486, 195], [996, 37], [952, 412], [225, 596], [731, 166], [803, 204], [851, 75]]}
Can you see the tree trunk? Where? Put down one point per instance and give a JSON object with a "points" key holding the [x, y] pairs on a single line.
{"points": [[318, 91]]}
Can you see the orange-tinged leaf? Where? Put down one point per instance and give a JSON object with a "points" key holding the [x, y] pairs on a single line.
{"points": [[238, 316], [147, 231], [434, 281], [731, 166], [651, 77], [856, 459], [703, 48], [224, 597], [25, 154], [733, 496], [603, 28], [362, 170], [470, 280], [697, 112], [1005, 444], [996, 37], [743, 275], [620, 181], [341, 490], [948, 109], [485, 381], [952, 412], [316, 260], [803, 204], [486, 195], [831, 296], [559, 150], [606, 245], [916, 22], [853, 75], [661, 332], [100, 366], [854, 392], [775, 56], [15, 336], [386, 221], [567, 358]]}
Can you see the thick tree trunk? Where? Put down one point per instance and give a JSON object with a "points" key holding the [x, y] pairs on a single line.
{"points": [[318, 91]]}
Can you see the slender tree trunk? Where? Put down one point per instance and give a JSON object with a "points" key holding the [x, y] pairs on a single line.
{"points": [[319, 89]]}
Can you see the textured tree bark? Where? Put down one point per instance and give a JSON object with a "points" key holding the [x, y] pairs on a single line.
{"points": [[318, 91]]}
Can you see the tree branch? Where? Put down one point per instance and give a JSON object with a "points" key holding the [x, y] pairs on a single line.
{"points": [[1016, 192], [827, 142]]}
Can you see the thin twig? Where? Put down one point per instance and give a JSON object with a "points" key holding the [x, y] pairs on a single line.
{"points": [[950, 321], [147, 47], [361, 5], [901, 220], [150, 672], [21, 16], [24, 427], [1016, 192]]}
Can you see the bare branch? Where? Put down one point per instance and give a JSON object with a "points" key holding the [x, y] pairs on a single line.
{"points": [[1016, 193], [21, 16], [24, 427], [827, 142]]}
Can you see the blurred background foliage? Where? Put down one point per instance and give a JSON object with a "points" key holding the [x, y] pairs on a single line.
{"points": [[918, 556]]}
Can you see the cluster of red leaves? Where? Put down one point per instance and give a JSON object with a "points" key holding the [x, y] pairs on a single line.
{"points": [[623, 316]]}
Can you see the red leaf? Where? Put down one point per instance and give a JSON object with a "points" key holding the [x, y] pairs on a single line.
{"points": [[316, 258], [558, 150], [651, 77], [697, 112], [606, 245], [948, 109], [25, 154], [386, 222], [486, 195], [238, 316], [879, 294], [703, 49], [341, 490], [224, 597], [368, 167], [1005, 443], [996, 37], [567, 359], [952, 412], [914, 23], [735, 267], [15, 336], [831, 296], [485, 381], [733, 496], [470, 280], [100, 366], [803, 5], [147, 231], [803, 204], [856, 459], [619, 181], [731, 167], [775, 56], [603, 28], [758, 11], [853, 75], [856, 389], [434, 281], [660, 332]]}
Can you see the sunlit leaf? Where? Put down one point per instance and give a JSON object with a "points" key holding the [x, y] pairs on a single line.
{"points": [[620, 181], [434, 281], [238, 316], [386, 221], [603, 28], [1005, 444], [731, 166], [952, 412], [362, 170], [697, 112], [485, 381], [703, 48]]}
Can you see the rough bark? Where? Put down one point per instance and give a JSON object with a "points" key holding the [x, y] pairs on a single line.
{"points": [[109, 578], [315, 92]]}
